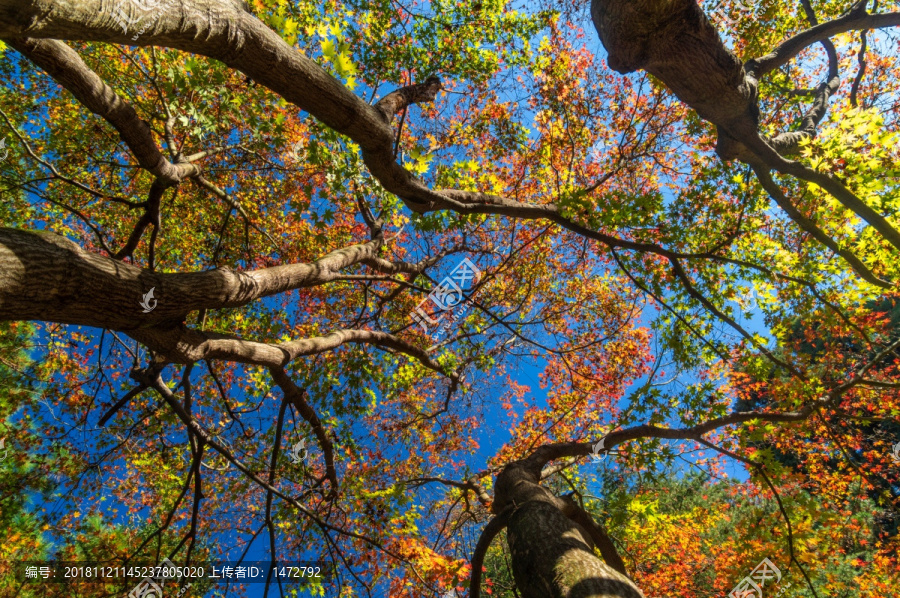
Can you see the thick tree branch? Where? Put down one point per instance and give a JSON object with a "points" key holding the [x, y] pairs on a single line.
{"points": [[601, 540], [225, 32], [68, 69], [676, 42], [183, 345], [46, 277]]}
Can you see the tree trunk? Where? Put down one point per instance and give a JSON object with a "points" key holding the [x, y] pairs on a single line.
{"points": [[552, 555]]}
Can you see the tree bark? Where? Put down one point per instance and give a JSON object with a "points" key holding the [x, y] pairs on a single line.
{"points": [[552, 555], [46, 277], [674, 41]]}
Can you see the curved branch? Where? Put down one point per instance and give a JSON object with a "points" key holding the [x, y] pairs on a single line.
{"points": [[402, 98], [490, 531], [856, 19], [184, 345], [470, 484], [789, 143], [549, 452], [296, 396], [67, 68]]}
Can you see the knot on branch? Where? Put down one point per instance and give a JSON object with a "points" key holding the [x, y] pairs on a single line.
{"points": [[418, 93]]}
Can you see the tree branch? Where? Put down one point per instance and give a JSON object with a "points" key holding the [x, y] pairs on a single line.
{"points": [[490, 531], [296, 396], [603, 542], [856, 19], [402, 98], [68, 69], [46, 277]]}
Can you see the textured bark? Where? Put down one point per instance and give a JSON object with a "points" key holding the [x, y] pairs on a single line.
{"points": [[673, 40], [420, 93], [552, 555], [46, 277]]}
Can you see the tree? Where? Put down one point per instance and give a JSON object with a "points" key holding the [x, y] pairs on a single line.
{"points": [[167, 206], [678, 534]]}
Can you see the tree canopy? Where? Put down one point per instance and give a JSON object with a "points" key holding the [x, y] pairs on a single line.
{"points": [[531, 298]]}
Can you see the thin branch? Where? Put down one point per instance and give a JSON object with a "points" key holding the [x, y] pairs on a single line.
{"points": [[762, 472], [857, 19], [490, 531], [297, 397], [861, 72], [121, 403]]}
